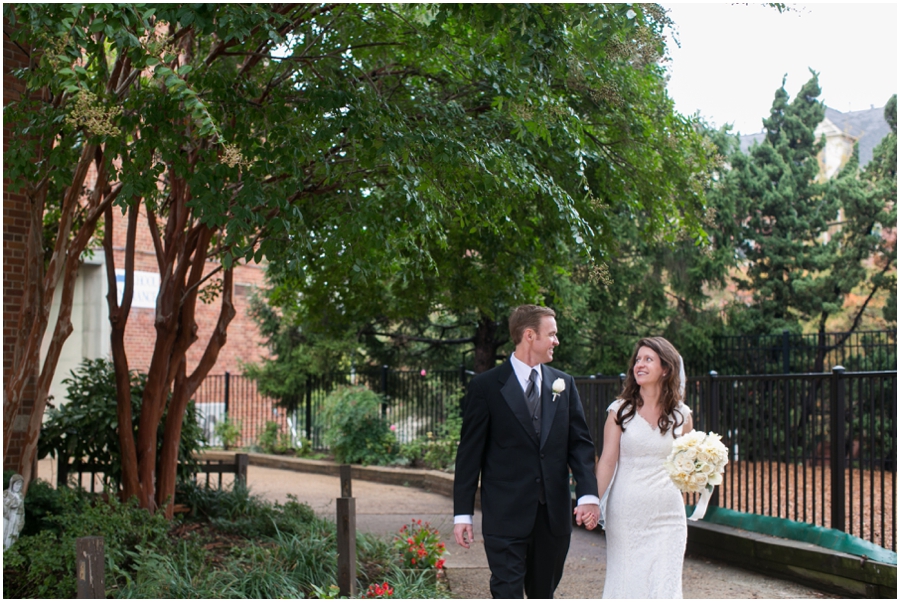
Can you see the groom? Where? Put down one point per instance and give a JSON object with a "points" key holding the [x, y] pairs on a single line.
{"points": [[523, 429]]}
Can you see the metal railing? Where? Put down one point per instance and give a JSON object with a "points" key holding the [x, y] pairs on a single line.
{"points": [[788, 353], [415, 403], [815, 448]]}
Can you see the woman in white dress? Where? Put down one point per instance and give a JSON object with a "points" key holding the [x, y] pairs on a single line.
{"points": [[644, 516]]}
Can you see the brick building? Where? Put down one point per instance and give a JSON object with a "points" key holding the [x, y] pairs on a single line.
{"points": [[15, 230], [90, 337]]}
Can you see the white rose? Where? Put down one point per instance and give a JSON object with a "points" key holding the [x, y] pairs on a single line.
{"points": [[558, 386], [683, 463]]}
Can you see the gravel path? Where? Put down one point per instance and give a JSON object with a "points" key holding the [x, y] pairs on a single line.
{"points": [[383, 509]]}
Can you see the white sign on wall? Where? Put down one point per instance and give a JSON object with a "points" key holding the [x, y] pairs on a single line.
{"points": [[146, 288]]}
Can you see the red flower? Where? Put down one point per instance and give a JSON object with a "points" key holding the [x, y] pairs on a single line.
{"points": [[439, 564]]}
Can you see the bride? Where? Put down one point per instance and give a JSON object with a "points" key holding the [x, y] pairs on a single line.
{"points": [[644, 516]]}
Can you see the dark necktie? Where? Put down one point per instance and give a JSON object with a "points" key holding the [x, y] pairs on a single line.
{"points": [[533, 399]]}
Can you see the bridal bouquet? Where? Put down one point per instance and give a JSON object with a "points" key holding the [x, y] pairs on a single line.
{"points": [[696, 465]]}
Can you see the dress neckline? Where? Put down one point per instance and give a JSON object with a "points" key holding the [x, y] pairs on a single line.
{"points": [[647, 422]]}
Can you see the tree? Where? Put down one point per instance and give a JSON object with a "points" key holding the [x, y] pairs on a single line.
{"points": [[607, 141], [802, 260], [363, 133]]}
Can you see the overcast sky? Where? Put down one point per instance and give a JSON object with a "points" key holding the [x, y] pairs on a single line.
{"points": [[733, 57]]}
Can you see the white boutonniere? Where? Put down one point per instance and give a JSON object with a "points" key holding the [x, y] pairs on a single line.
{"points": [[559, 385]]}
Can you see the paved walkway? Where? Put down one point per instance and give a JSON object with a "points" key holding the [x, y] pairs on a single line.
{"points": [[383, 509]]}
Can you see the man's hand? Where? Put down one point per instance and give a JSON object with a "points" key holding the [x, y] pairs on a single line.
{"points": [[464, 534], [587, 515]]}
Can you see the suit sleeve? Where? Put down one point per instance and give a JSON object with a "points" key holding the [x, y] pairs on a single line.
{"points": [[472, 443], [581, 446]]}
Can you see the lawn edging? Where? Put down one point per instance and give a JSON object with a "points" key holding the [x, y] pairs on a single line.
{"points": [[804, 563]]}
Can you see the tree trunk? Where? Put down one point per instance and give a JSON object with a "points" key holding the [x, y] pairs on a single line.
{"points": [[118, 318], [486, 344]]}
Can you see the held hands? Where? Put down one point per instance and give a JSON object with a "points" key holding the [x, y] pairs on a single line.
{"points": [[587, 515], [464, 534]]}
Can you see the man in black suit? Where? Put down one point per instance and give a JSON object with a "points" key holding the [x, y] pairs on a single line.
{"points": [[523, 430]]}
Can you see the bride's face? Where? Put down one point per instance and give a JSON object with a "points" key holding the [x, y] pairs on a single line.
{"points": [[648, 370]]}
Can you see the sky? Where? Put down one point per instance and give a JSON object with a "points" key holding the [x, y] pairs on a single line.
{"points": [[733, 57]]}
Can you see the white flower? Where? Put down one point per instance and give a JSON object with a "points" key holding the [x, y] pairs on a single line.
{"points": [[559, 385], [697, 461]]}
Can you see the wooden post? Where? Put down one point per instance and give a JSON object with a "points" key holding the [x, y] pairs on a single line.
{"points": [[346, 540], [89, 565], [241, 462], [346, 483]]}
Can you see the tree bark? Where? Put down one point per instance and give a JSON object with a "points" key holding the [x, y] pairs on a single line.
{"points": [[486, 344], [118, 319]]}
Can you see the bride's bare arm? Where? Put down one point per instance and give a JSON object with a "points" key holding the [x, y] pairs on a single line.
{"points": [[606, 466], [688, 425]]}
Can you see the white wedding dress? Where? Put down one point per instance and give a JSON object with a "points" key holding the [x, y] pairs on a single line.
{"points": [[645, 522]]}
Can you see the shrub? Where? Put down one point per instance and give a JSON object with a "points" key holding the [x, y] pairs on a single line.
{"points": [[43, 565], [273, 441], [228, 432], [356, 432], [86, 427]]}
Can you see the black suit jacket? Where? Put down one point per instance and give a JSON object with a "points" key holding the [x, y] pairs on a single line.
{"points": [[498, 443]]}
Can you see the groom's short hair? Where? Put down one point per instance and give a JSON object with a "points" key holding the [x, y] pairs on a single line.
{"points": [[527, 316]]}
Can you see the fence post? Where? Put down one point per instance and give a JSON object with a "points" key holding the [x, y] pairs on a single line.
{"points": [[62, 471], [346, 482], [838, 447], [714, 421], [786, 351], [384, 393], [309, 435], [227, 392], [346, 540], [241, 462], [89, 565]]}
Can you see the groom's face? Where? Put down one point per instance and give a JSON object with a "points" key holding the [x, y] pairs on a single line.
{"points": [[545, 340]]}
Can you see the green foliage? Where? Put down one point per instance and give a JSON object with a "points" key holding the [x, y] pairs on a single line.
{"points": [[86, 427], [43, 565], [437, 450], [420, 546], [228, 432], [273, 441], [356, 432]]}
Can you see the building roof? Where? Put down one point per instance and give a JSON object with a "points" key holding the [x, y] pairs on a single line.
{"points": [[868, 126]]}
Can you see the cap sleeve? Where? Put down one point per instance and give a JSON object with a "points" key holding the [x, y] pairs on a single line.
{"points": [[614, 406]]}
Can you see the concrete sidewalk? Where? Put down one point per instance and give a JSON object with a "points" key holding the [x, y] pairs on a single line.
{"points": [[383, 509]]}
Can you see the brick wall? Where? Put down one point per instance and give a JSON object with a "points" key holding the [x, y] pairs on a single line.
{"points": [[244, 340], [15, 230]]}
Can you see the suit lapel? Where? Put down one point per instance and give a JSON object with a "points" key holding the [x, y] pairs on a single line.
{"points": [[515, 399], [548, 406]]}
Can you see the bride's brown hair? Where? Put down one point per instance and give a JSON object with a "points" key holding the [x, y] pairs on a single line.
{"points": [[670, 387]]}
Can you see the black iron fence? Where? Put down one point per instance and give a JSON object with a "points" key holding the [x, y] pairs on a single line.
{"points": [[815, 448], [788, 353], [818, 448], [415, 403]]}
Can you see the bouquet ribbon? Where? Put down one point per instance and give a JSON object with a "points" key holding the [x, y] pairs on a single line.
{"points": [[702, 503]]}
